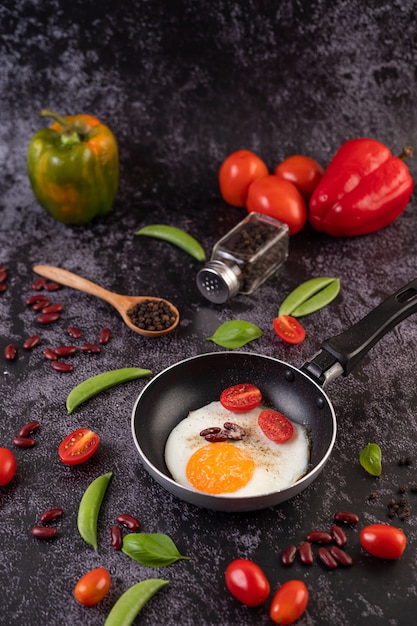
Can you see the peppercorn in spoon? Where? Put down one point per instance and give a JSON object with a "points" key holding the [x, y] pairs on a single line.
{"points": [[146, 315]]}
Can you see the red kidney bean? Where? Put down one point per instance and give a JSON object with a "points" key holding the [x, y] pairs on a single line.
{"points": [[65, 350], [3, 276], [29, 428], [10, 352], [39, 284], [47, 318], [129, 521], [44, 532], [41, 304], [319, 536], [59, 366], [288, 555], [49, 354], [104, 336], [51, 515], [31, 342], [346, 517], [36, 298], [24, 442], [53, 308], [306, 553], [3, 287], [342, 557], [90, 347], [339, 536], [116, 537], [326, 558], [52, 286], [74, 332]]}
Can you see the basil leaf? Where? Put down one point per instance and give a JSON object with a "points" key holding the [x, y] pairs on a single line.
{"points": [[235, 334], [370, 459], [310, 296], [152, 550]]}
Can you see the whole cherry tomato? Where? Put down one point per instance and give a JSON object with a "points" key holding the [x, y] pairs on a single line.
{"points": [[237, 173], [289, 329], [247, 582], [289, 602], [78, 446], [301, 170], [241, 398], [383, 541], [92, 587], [279, 199], [7, 466]]}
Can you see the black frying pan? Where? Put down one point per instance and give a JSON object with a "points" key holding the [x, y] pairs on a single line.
{"points": [[298, 393]]}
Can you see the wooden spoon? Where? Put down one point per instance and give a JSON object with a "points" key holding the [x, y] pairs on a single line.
{"points": [[122, 303]]}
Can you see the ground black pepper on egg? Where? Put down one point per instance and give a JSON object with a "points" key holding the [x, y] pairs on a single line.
{"points": [[152, 315]]}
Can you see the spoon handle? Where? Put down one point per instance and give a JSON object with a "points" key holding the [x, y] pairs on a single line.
{"points": [[64, 277]]}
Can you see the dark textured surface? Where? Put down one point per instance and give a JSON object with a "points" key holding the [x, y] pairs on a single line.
{"points": [[183, 84]]}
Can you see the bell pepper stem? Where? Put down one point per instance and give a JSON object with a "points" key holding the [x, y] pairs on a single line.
{"points": [[69, 137], [407, 153]]}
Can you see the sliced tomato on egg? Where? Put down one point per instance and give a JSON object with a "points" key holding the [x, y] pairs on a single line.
{"points": [[275, 425], [78, 446], [241, 398], [289, 329]]}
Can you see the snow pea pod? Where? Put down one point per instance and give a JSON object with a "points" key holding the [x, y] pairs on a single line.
{"points": [[176, 236], [89, 508], [310, 296], [94, 385], [131, 601]]}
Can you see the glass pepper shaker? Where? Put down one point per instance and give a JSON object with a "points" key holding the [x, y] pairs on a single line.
{"points": [[244, 258]]}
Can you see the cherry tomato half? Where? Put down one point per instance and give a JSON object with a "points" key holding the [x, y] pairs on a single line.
{"points": [[279, 199], [275, 425], [241, 398], [383, 541], [289, 602], [92, 587], [289, 329], [247, 582], [303, 171], [7, 466], [78, 447], [237, 173]]}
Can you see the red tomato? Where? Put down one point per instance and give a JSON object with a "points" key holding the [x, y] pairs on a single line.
{"points": [[237, 173], [92, 587], [241, 398], [289, 329], [301, 170], [289, 602], [275, 425], [383, 541], [247, 582], [7, 466], [78, 447], [279, 199]]}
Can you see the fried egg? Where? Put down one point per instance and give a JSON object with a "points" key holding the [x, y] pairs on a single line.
{"points": [[251, 466]]}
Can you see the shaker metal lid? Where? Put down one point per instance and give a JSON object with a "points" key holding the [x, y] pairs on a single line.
{"points": [[218, 282]]}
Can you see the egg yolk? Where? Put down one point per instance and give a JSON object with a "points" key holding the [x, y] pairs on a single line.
{"points": [[219, 468]]}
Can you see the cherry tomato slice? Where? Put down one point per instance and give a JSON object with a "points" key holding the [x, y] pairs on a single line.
{"points": [[303, 171], [275, 425], [289, 329], [78, 447], [383, 541], [7, 466], [237, 173], [92, 587], [247, 582], [289, 602], [241, 398]]}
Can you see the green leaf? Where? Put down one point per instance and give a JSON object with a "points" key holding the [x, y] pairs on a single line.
{"points": [[310, 296], [370, 459], [129, 604], [152, 550], [235, 334]]}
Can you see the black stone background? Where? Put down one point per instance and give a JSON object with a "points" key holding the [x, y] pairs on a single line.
{"points": [[183, 84]]}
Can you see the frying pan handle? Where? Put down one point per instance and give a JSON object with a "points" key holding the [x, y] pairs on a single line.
{"points": [[340, 354]]}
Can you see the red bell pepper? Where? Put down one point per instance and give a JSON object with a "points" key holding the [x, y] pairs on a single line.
{"points": [[363, 189]]}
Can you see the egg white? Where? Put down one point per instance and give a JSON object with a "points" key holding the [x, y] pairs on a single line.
{"points": [[277, 465]]}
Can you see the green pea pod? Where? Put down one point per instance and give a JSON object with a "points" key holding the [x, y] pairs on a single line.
{"points": [[370, 459], [235, 334], [176, 236], [90, 507], [94, 385], [310, 296], [131, 602]]}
